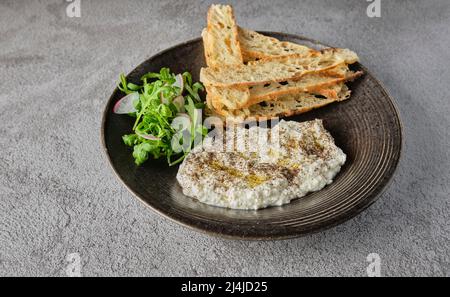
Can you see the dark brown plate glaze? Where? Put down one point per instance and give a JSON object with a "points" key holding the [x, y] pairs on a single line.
{"points": [[367, 128]]}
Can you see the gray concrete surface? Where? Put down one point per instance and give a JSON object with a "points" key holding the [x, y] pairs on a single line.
{"points": [[58, 195]]}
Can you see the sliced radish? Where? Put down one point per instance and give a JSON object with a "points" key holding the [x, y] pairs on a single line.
{"points": [[148, 136], [179, 103], [126, 104], [179, 82]]}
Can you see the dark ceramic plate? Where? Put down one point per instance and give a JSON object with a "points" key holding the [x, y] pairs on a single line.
{"points": [[367, 128]]}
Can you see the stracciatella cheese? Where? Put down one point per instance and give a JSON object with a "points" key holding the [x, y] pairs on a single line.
{"points": [[259, 167]]}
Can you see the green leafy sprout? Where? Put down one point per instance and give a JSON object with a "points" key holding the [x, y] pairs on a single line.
{"points": [[155, 112]]}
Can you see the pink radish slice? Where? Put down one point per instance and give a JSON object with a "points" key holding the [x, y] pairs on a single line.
{"points": [[148, 136], [179, 103], [179, 82], [125, 105]]}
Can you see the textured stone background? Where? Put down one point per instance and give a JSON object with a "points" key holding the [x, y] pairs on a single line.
{"points": [[58, 195]]}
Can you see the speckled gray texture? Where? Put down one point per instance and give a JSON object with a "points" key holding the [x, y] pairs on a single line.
{"points": [[59, 196]]}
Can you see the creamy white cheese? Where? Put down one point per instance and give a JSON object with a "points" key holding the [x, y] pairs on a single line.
{"points": [[256, 173]]}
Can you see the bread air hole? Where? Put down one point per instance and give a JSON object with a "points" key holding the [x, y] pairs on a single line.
{"points": [[320, 96]]}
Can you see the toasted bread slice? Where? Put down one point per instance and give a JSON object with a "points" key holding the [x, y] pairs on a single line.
{"points": [[279, 69], [256, 46], [220, 41], [237, 98], [309, 83], [232, 98], [290, 105], [220, 38], [287, 105]]}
